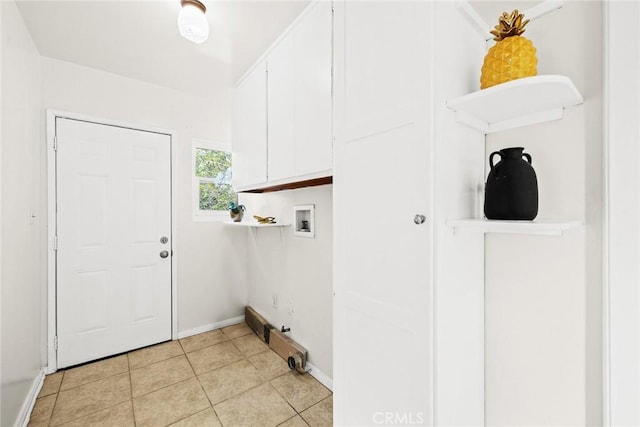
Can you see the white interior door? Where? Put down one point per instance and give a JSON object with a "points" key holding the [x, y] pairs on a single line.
{"points": [[382, 187], [113, 208]]}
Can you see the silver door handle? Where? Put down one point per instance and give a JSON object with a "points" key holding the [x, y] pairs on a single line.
{"points": [[419, 219], [164, 254]]}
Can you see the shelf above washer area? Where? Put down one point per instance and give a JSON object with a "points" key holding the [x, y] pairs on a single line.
{"points": [[545, 227], [517, 103], [254, 224]]}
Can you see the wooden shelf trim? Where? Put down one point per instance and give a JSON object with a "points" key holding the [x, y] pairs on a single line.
{"points": [[293, 185]]}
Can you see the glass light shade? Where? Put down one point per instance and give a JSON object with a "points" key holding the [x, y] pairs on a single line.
{"points": [[193, 24]]}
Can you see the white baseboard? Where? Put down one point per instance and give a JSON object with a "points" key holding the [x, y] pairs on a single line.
{"points": [[316, 373], [210, 327], [30, 401]]}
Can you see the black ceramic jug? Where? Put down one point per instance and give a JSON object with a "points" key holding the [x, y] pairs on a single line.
{"points": [[511, 191]]}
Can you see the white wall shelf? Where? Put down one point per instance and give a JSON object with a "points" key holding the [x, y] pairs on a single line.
{"points": [[517, 103], [545, 227], [255, 224]]}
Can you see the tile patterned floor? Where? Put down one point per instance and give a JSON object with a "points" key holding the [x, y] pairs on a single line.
{"points": [[226, 377]]}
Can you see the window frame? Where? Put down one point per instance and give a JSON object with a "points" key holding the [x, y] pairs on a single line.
{"points": [[199, 215]]}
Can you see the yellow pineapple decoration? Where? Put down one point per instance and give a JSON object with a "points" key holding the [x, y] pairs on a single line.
{"points": [[513, 56]]}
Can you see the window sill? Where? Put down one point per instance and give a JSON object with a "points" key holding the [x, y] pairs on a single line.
{"points": [[221, 216]]}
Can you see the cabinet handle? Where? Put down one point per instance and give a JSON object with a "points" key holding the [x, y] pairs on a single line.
{"points": [[419, 219]]}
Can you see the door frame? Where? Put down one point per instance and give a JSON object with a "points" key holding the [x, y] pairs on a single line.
{"points": [[621, 298], [51, 316]]}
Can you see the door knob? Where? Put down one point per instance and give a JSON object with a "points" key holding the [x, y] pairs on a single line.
{"points": [[419, 219], [164, 254]]}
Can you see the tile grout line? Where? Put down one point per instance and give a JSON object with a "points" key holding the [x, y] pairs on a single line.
{"points": [[284, 398], [54, 403], [133, 410], [163, 387], [227, 338], [182, 353], [188, 416], [314, 405], [203, 390], [99, 379], [296, 415], [90, 413], [268, 381], [197, 375], [159, 361]]}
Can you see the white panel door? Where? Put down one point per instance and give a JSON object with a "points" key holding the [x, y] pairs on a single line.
{"points": [[382, 180], [113, 208], [312, 90], [249, 130]]}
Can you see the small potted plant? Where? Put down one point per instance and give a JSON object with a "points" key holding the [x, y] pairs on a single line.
{"points": [[236, 211]]}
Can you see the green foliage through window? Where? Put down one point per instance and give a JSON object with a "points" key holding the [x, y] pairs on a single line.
{"points": [[213, 170]]}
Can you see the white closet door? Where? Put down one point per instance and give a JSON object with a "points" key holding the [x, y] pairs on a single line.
{"points": [[382, 183], [113, 208]]}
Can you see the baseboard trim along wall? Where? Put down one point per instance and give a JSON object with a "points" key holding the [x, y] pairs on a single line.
{"points": [[323, 378], [210, 327], [30, 400]]}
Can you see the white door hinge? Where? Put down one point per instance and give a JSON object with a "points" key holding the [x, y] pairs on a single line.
{"points": [[55, 343], [55, 143], [55, 243]]}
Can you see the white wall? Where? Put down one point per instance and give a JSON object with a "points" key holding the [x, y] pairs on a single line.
{"points": [[211, 275], [543, 294], [297, 269], [21, 171]]}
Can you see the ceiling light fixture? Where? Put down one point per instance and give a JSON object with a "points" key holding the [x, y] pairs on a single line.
{"points": [[192, 21]]}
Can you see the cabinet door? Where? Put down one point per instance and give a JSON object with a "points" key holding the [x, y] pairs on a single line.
{"points": [[249, 130], [312, 82], [281, 111], [382, 180]]}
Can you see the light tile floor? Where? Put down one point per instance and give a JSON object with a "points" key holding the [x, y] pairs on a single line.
{"points": [[226, 377]]}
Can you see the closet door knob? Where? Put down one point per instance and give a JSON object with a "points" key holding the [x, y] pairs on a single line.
{"points": [[419, 219]]}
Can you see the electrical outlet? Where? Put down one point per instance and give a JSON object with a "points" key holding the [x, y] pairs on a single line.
{"points": [[291, 309], [274, 301]]}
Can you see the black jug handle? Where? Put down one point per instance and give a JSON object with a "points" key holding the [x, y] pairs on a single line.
{"points": [[491, 158], [528, 157]]}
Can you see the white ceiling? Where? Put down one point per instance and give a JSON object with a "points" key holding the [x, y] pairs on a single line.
{"points": [[140, 39]]}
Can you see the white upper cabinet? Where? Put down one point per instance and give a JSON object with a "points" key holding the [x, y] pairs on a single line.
{"points": [[312, 93], [295, 143], [280, 106], [249, 126]]}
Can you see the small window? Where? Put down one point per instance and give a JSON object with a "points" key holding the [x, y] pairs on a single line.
{"points": [[212, 188]]}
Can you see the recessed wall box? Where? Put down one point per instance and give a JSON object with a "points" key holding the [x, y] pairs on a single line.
{"points": [[304, 220]]}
